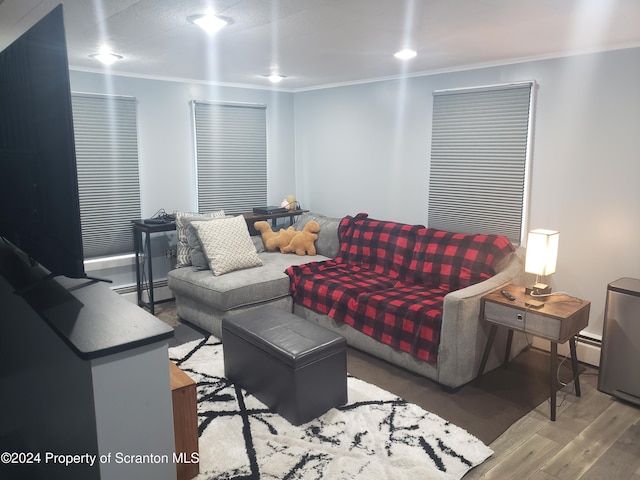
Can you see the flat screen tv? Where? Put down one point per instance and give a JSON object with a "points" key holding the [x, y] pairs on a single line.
{"points": [[39, 205]]}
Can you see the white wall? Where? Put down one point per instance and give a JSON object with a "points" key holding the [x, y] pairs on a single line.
{"points": [[366, 148]]}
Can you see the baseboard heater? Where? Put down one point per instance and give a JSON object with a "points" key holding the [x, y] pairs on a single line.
{"points": [[126, 289], [161, 292], [594, 342], [588, 348]]}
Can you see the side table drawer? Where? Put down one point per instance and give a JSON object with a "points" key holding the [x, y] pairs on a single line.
{"points": [[527, 321]]}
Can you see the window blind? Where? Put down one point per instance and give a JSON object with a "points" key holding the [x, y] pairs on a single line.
{"points": [[231, 156], [106, 139], [479, 152]]}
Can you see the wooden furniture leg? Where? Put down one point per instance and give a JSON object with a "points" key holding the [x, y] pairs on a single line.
{"points": [[487, 349], [508, 349], [554, 380], [574, 365]]}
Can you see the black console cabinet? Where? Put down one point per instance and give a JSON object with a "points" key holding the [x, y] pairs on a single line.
{"points": [[144, 268]]}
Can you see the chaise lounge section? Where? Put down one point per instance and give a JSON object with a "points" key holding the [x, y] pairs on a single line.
{"points": [[204, 299]]}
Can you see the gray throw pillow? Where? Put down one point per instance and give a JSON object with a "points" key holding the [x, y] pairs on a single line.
{"points": [[258, 243], [197, 256]]}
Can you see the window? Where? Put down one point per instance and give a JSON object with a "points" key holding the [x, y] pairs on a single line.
{"points": [[479, 157], [231, 156], [107, 157]]}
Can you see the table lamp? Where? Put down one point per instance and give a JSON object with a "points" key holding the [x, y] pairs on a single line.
{"points": [[542, 253]]}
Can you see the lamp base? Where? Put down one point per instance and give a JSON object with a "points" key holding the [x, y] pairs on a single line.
{"points": [[538, 289]]}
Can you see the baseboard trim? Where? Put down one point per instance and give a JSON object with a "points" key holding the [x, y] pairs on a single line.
{"points": [[587, 349]]}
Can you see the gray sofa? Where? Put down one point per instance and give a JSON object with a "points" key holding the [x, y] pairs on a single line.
{"points": [[204, 299]]}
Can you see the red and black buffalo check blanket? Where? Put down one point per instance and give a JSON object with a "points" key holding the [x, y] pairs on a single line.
{"points": [[389, 279]]}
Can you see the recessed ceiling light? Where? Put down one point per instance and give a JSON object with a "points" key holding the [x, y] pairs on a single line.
{"points": [[106, 58], [209, 22], [275, 77], [405, 54]]}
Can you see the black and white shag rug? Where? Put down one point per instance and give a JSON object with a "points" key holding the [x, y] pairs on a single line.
{"points": [[376, 435]]}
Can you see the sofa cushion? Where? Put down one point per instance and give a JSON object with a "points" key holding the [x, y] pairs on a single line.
{"points": [[406, 317], [227, 244], [327, 243], [333, 288], [383, 247], [236, 289], [455, 260], [183, 255]]}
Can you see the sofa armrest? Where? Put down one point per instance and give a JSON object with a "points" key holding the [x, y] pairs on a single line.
{"points": [[462, 338]]}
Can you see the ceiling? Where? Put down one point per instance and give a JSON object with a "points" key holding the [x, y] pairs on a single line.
{"points": [[318, 43]]}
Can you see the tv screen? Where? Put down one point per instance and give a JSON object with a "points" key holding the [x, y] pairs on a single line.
{"points": [[39, 206]]}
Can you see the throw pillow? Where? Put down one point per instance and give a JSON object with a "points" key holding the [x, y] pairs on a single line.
{"points": [[227, 244], [258, 243], [183, 255], [198, 258]]}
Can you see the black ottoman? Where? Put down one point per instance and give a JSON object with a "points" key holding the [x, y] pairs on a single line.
{"points": [[295, 367]]}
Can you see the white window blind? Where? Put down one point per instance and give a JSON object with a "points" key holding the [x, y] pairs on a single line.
{"points": [[106, 136], [231, 156], [479, 152]]}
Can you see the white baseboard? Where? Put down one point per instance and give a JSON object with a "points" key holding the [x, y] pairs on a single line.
{"points": [[588, 351]]}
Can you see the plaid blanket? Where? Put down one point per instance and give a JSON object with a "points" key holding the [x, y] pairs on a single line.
{"points": [[455, 260], [389, 279]]}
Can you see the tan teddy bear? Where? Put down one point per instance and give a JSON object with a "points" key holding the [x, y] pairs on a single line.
{"points": [[274, 241], [303, 242]]}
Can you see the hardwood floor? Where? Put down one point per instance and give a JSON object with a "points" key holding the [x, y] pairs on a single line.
{"points": [[594, 437]]}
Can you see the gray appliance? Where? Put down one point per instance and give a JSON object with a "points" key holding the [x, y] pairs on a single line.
{"points": [[620, 354]]}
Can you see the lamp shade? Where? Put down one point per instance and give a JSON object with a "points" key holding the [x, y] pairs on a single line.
{"points": [[542, 252]]}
